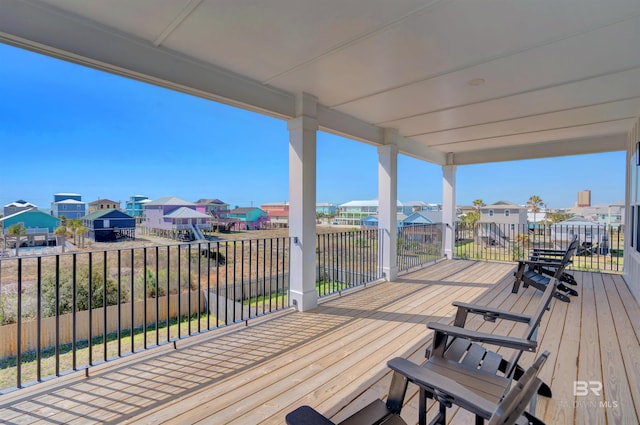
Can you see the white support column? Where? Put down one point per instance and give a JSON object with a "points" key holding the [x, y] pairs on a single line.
{"points": [[302, 203], [388, 203], [449, 208]]}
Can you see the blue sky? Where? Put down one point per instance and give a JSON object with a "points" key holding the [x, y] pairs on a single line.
{"points": [[66, 128]]}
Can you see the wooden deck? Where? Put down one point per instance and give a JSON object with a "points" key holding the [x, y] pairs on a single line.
{"points": [[334, 358]]}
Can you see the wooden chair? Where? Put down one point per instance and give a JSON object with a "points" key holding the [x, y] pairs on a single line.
{"points": [[532, 272], [474, 390], [454, 345], [376, 412], [556, 255]]}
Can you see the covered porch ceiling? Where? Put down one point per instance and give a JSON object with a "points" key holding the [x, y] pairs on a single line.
{"points": [[462, 81]]}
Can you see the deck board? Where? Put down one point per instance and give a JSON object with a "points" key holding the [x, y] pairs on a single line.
{"points": [[334, 357]]}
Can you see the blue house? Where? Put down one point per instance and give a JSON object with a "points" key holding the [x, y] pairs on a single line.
{"points": [[418, 217], [69, 205], [109, 225], [32, 220]]}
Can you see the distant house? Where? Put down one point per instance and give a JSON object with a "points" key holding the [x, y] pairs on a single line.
{"points": [[33, 220], [40, 227], [69, 205], [250, 218], [422, 217], [17, 206], [373, 221], [278, 213], [507, 215], [326, 208], [109, 225], [135, 206], [352, 212], [103, 204], [174, 214], [591, 234], [212, 206]]}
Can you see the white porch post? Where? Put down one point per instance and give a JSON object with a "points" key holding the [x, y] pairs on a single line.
{"points": [[302, 203], [388, 203], [449, 208]]}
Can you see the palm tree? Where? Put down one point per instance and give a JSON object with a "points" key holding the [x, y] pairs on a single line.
{"points": [[17, 231], [61, 233], [78, 229], [477, 204], [533, 204]]}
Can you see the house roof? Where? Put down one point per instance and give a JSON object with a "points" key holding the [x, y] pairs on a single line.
{"points": [[28, 212], [66, 194], [109, 213], [244, 210], [506, 204], [578, 221], [419, 216], [208, 201], [170, 200], [104, 201], [185, 212], [70, 201], [20, 204]]}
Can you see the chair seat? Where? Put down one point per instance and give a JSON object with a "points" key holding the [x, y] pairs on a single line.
{"points": [[487, 385]]}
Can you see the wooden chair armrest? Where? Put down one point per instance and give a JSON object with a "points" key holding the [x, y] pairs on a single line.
{"points": [[487, 338], [491, 313], [444, 388]]}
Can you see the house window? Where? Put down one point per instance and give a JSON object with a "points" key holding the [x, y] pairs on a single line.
{"points": [[506, 213], [513, 227], [490, 213]]}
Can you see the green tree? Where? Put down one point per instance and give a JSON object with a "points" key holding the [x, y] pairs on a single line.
{"points": [[477, 204], [534, 204], [78, 229], [61, 233], [17, 231], [82, 291], [557, 217]]}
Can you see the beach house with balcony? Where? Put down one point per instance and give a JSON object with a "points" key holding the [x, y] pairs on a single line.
{"points": [[172, 214], [249, 218], [68, 205]]}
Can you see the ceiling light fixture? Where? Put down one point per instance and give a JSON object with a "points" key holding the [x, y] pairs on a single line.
{"points": [[476, 82]]}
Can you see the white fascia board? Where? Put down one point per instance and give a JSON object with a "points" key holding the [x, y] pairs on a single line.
{"points": [[336, 122], [46, 30], [610, 143]]}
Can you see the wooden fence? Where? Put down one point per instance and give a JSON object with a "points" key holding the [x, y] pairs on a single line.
{"points": [[29, 333]]}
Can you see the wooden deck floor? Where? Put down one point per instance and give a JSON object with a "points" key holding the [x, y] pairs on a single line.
{"points": [[334, 358]]}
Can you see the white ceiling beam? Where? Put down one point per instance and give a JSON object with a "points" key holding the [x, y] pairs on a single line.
{"points": [[608, 143], [45, 30], [348, 126]]}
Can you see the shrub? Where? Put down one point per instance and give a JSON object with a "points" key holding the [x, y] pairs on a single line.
{"points": [[82, 291]]}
